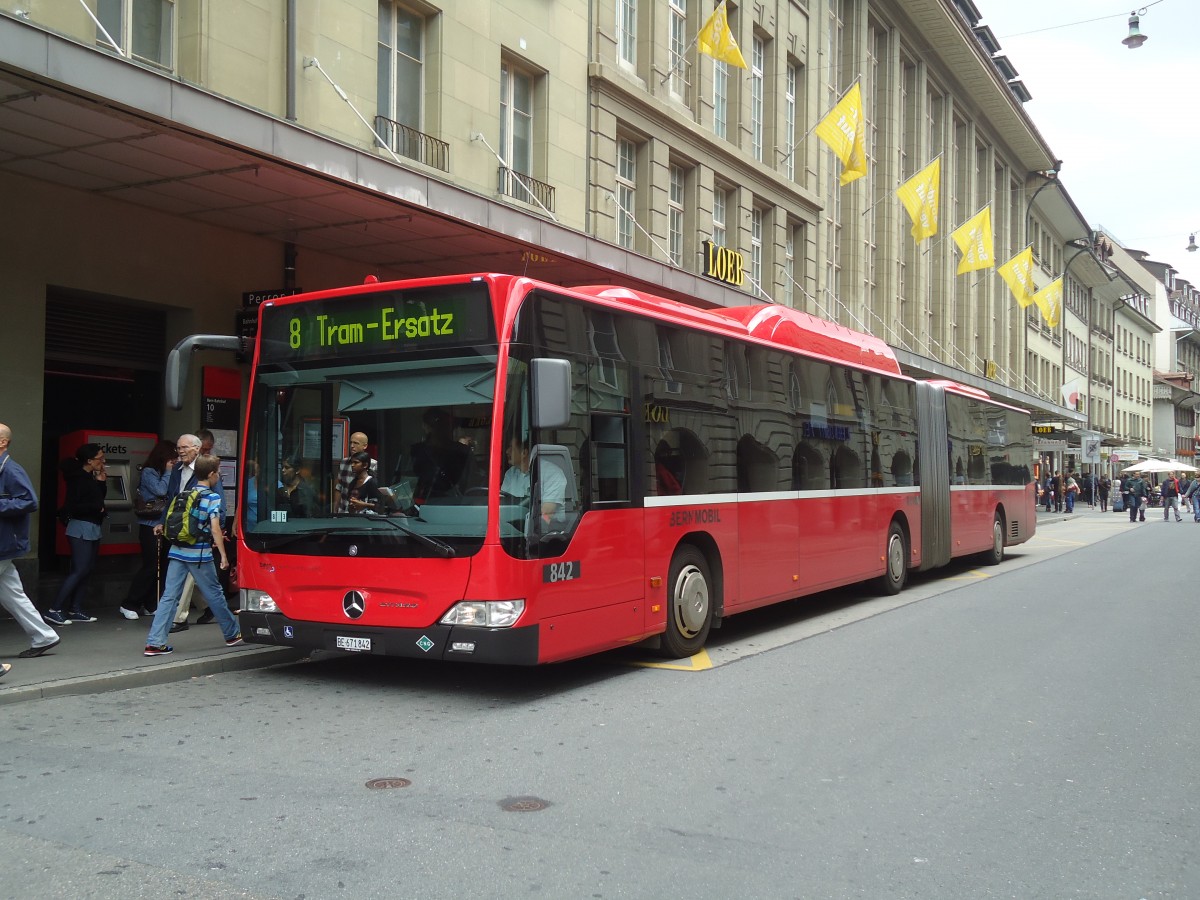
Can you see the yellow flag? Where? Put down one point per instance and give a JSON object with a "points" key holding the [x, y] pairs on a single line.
{"points": [[920, 197], [1018, 275], [974, 239], [1049, 301], [717, 41], [842, 129]]}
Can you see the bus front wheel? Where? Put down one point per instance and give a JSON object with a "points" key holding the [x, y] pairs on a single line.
{"points": [[690, 615], [895, 573]]}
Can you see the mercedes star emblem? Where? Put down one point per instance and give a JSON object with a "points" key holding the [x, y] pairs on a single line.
{"points": [[353, 604]]}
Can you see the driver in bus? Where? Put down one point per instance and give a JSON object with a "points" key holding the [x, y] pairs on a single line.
{"points": [[516, 482]]}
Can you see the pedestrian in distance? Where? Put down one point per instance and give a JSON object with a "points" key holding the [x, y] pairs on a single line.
{"points": [[87, 486], [1139, 496], [149, 504], [196, 559], [18, 502], [1170, 497], [1070, 492], [1193, 496], [1103, 486]]}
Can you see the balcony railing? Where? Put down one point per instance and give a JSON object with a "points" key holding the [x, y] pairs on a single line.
{"points": [[524, 188], [413, 144]]}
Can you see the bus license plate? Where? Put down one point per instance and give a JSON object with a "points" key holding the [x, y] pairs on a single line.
{"points": [[353, 643]]}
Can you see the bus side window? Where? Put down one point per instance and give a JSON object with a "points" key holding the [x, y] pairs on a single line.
{"points": [[610, 446]]}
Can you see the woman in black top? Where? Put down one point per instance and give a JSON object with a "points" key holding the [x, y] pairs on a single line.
{"points": [[86, 489], [295, 495]]}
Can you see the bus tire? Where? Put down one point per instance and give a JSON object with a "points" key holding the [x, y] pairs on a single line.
{"points": [[690, 610], [995, 556], [895, 559]]}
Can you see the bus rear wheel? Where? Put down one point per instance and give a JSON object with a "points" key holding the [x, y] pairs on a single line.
{"points": [[690, 615], [895, 556]]}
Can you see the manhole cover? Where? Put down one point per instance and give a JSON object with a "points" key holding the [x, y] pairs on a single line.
{"points": [[523, 804], [379, 784]]}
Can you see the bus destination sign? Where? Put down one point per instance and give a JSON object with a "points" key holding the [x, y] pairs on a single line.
{"points": [[379, 322]]}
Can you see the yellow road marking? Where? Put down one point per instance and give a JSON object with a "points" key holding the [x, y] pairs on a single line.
{"points": [[973, 575], [695, 663]]}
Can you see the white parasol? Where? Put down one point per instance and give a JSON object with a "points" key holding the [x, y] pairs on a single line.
{"points": [[1160, 465]]}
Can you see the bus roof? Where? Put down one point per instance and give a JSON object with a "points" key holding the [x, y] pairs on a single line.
{"points": [[780, 325]]}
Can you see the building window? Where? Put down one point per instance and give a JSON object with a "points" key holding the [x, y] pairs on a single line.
{"points": [[789, 265], [675, 207], [756, 247], [790, 108], [627, 31], [401, 71], [400, 87], [758, 61], [516, 118], [720, 98], [680, 41], [143, 29], [720, 205], [626, 191]]}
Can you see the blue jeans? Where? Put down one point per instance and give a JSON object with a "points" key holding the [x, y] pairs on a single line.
{"points": [[74, 588], [1070, 501], [207, 583]]}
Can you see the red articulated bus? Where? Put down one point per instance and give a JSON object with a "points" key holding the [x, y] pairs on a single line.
{"points": [[560, 472]]}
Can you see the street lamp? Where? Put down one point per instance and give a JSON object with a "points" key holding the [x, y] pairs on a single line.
{"points": [[1135, 38]]}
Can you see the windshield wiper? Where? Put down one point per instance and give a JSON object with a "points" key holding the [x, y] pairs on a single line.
{"points": [[443, 549]]}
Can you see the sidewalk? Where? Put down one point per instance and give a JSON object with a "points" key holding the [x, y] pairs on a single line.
{"points": [[1082, 509], [106, 655]]}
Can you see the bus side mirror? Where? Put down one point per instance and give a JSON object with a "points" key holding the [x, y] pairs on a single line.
{"points": [[178, 360], [551, 393]]}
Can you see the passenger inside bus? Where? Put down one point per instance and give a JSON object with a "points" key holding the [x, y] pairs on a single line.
{"points": [[364, 494], [295, 493], [440, 461]]}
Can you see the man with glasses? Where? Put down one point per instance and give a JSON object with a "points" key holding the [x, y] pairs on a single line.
{"points": [[183, 476]]}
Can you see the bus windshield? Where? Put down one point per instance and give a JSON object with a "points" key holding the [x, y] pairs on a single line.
{"points": [[369, 449]]}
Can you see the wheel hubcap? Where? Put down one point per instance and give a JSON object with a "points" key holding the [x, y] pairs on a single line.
{"points": [[895, 557], [691, 601]]}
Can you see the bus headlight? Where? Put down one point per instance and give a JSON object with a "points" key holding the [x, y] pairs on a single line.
{"points": [[258, 601], [485, 613]]}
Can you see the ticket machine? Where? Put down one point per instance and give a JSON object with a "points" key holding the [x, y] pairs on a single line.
{"points": [[124, 453]]}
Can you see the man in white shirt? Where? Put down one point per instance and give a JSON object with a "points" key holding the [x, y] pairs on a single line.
{"points": [[516, 481]]}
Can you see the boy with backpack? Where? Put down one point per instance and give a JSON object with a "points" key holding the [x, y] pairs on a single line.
{"points": [[193, 526]]}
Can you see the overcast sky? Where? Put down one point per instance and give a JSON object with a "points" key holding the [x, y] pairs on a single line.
{"points": [[1125, 123]]}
